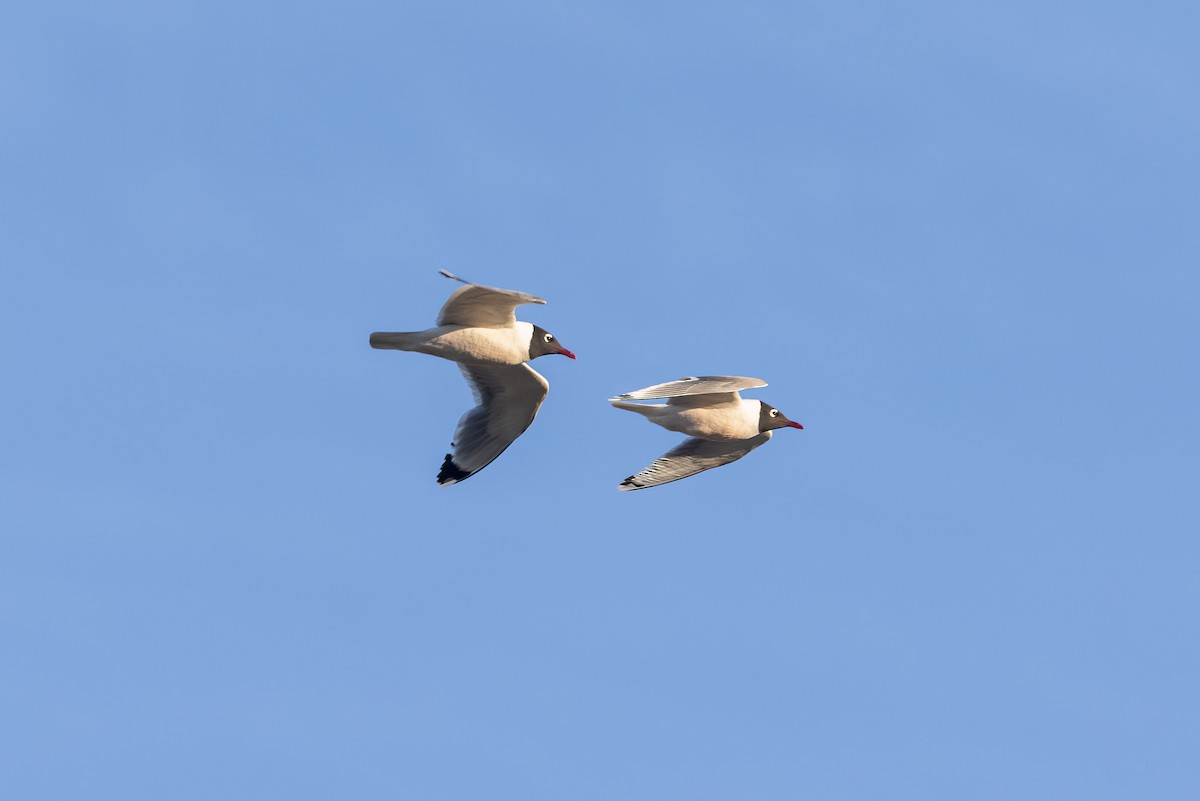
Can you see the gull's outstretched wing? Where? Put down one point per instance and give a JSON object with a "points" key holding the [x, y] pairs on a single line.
{"points": [[508, 398], [694, 385], [690, 457], [484, 306], [696, 390]]}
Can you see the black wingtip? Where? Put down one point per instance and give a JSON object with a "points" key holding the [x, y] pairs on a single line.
{"points": [[453, 277], [451, 473], [630, 484]]}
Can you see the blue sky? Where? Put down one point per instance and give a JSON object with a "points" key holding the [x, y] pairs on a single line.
{"points": [[959, 240]]}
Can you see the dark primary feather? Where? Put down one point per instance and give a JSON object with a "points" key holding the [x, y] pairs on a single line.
{"points": [[450, 472]]}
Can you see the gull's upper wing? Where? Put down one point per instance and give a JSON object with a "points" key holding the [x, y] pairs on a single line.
{"points": [[508, 398], [478, 305], [694, 385], [690, 457], [696, 390]]}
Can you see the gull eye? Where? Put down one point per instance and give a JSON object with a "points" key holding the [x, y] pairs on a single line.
{"points": [[548, 338], [774, 412]]}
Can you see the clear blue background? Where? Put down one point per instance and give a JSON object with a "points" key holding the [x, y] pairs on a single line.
{"points": [[960, 240]]}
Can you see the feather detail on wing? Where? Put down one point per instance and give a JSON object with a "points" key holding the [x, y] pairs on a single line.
{"points": [[690, 457], [694, 385], [508, 398], [484, 306]]}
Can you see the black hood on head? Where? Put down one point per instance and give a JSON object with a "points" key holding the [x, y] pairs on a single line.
{"points": [[543, 343], [770, 418]]}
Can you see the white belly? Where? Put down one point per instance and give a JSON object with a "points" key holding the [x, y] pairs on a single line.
{"points": [[477, 345], [722, 423]]}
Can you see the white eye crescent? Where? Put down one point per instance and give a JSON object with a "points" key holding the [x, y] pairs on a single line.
{"points": [[548, 338], [774, 412]]}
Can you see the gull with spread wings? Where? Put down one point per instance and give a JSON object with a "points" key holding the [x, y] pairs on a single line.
{"points": [[478, 328], [721, 425]]}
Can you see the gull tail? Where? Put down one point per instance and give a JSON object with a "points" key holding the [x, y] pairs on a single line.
{"points": [[645, 409], [399, 340]]}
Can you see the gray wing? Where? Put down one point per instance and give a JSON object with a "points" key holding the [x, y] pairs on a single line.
{"points": [[692, 456], [694, 385], [478, 305], [508, 398]]}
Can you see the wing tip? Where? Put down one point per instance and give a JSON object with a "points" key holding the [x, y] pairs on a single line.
{"points": [[628, 485], [451, 473], [453, 277]]}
